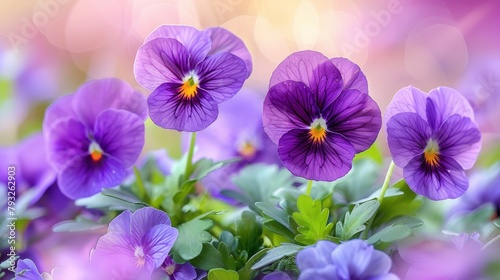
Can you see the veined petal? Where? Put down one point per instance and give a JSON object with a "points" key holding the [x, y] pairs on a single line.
{"points": [[352, 76], [446, 103], [61, 108], [197, 42], [447, 180], [298, 67], [352, 259], [407, 135], [315, 257], [159, 61], [168, 109], [288, 105], [158, 241], [328, 272], [407, 100], [66, 141], [121, 223], [111, 93], [325, 83], [355, 116], [460, 138], [225, 41], [144, 219], [83, 177], [326, 161], [379, 266], [113, 243], [120, 134], [222, 75], [30, 270]]}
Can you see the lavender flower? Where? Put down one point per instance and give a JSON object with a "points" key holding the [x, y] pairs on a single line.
{"points": [[433, 138], [189, 73], [176, 271], [27, 270], [319, 113], [94, 136], [354, 259], [134, 245]]}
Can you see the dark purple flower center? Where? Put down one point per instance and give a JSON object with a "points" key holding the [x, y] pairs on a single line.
{"points": [[317, 131], [95, 151], [189, 87], [431, 153]]}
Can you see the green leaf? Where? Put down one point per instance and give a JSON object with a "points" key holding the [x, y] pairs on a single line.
{"points": [[279, 229], [190, 239], [312, 220], [209, 258], [222, 274], [277, 253], [79, 224], [205, 166], [249, 233], [247, 273], [389, 234], [111, 200], [358, 184], [497, 223], [6, 264], [473, 221], [226, 256], [279, 215], [355, 220], [373, 153]]}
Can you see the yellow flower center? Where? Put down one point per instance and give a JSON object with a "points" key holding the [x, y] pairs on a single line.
{"points": [[431, 153], [95, 152], [170, 269], [317, 131], [189, 88], [247, 149]]}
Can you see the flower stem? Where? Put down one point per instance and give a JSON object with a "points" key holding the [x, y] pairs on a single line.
{"points": [[309, 187], [189, 162]]}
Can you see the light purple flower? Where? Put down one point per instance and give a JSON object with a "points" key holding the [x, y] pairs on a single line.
{"points": [[433, 138], [318, 112], [354, 259], [176, 271], [189, 73], [277, 275], [134, 245], [27, 270], [94, 136]]}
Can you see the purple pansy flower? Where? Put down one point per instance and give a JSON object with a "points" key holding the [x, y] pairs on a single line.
{"points": [[189, 73], [354, 259], [94, 136], [176, 271], [433, 138], [319, 113], [27, 270], [134, 245]]}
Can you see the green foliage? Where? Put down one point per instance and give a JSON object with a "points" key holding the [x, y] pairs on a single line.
{"points": [[358, 184], [209, 258], [286, 249], [80, 223], [473, 221], [355, 221], [249, 233], [390, 233], [312, 221], [189, 243], [222, 274]]}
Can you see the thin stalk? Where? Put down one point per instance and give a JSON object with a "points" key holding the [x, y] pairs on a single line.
{"points": [[189, 163], [309, 187]]}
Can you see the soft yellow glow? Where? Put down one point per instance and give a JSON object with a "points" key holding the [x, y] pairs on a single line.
{"points": [[431, 153], [189, 88]]}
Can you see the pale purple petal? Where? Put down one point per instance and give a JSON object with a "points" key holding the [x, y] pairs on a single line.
{"points": [[407, 100], [353, 258], [288, 105], [277, 275], [355, 116], [448, 102], [225, 41], [169, 110], [379, 266], [98, 95], [121, 223], [114, 244], [447, 180], [221, 75], [328, 272], [144, 219], [67, 141], [460, 138], [297, 67], [159, 61], [158, 241], [82, 177], [352, 76], [407, 135], [30, 270], [61, 108], [326, 161], [120, 134], [197, 43], [317, 256], [325, 83]]}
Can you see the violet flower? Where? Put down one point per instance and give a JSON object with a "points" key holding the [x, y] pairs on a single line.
{"points": [[319, 113], [433, 138], [94, 136], [175, 271], [354, 259], [27, 270], [134, 245], [189, 73]]}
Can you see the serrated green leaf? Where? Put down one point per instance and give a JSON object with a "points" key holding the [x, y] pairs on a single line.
{"points": [[79, 224], [312, 220], [222, 274], [355, 220], [190, 239], [390, 233], [286, 249], [209, 258]]}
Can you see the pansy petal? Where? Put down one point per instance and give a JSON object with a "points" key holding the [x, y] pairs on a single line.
{"points": [[113, 243], [67, 141], [447, 180], [82, 177], [328, 272], [120, 134], [29, 269], [326, 161], [352, 76], [61, 108], [407, 135], [197, 42], [168, 109], [407, 100], [380, 264], [352, 258], [121, 223], [222, 75], [460, 138], [158, 241], [298, 66], [325, 83], [288, 105], [447, 102], [161, 60], [225, 41], [315, 257], [98, 95], [145, 218], [355, 116]]}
